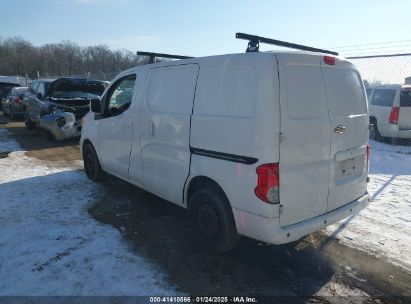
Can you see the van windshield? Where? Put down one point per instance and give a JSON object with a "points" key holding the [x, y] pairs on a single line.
{"points": [[405, 99], [383, 97]]}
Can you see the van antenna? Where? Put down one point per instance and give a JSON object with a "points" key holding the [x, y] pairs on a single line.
{"points": [[153, 56], [254, 44]]}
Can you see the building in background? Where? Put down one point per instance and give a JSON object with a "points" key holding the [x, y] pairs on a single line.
{"points": [[408, 80]]}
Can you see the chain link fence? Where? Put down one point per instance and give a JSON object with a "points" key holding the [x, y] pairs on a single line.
{"points": [[387, 79]]}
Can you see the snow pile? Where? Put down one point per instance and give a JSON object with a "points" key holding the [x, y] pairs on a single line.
{"points": [[50, 245], [383, 228]]}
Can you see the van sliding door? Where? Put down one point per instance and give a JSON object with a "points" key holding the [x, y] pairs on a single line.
{"points": [[165, 128]]}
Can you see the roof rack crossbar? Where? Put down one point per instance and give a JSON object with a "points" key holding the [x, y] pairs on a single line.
{"points": [[153, 56], [254, 44]]}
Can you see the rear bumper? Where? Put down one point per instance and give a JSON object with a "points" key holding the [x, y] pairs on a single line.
{"points": [[268, 229], [389, 130]]}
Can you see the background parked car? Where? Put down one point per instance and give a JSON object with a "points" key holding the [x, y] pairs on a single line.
{"points": [[6, 84], [66, 102], [13, 104], [390, 112], [34, 102]]}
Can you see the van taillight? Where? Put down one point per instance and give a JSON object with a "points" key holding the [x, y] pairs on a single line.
{"points": [[268, 183], [394, 114], [329, 60]]}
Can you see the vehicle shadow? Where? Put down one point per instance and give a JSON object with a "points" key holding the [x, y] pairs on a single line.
{"points": [[160, 231]]}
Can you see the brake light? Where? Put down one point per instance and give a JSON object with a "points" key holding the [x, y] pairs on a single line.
{"points": [[394, 114], [268, 183], [19, 101], [330, 60]]}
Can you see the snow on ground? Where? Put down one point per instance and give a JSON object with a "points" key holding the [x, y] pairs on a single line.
{"points": [[383, 228], [49, 245]]}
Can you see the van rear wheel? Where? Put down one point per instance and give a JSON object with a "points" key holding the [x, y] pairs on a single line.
{"points": [[92, 164], [212, 221]]}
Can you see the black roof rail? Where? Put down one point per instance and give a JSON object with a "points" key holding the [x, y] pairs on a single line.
{"points": [[254, 44], [153, 56]]}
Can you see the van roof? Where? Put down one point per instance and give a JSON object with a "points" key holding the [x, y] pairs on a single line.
{"points": [[225, 58]]}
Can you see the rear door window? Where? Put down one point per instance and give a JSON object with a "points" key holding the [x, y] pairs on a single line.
{"points": [[383, 97], [344, 91], [405, 99]]}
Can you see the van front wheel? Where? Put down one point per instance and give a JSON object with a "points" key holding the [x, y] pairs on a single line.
{"points": [[212, 221], [92, 164]]}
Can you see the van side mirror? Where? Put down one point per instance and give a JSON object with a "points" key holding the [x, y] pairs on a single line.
{"points": [[39, 96], [95, 106]]}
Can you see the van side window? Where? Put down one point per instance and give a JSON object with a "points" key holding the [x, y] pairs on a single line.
{"points": [[120, 95], [405, 99], [383, 97]]}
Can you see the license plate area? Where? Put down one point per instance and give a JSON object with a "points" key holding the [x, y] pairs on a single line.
{"points": [[349, 168]]}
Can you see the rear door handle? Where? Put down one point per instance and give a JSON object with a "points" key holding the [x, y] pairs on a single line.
{"points": [[128, 124], [339, 129]]}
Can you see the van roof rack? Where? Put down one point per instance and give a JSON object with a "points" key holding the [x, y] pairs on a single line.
{"points": [[254, 44], [153, 56]]}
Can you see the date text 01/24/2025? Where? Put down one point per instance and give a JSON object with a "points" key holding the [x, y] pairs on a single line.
{"points": [[203, 299]]}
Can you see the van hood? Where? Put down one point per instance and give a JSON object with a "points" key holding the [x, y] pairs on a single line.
{"points": [[76, 85]]}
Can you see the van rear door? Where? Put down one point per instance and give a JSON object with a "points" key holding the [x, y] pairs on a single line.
{"points": [[347, 104], [305, 139]]}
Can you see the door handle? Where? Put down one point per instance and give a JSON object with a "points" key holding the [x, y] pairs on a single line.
{"points": [[339, 129], [127, 125], [151, 129]]}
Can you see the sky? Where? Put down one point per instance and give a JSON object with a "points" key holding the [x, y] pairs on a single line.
{"points": [[200, 28]]}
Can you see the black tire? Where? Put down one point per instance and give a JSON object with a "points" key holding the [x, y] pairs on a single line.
{"points": [[92, 164], [212, 220], [394, 141], [4, 112], [50, 136], [374, 133], [12, 115], [27, 121]]}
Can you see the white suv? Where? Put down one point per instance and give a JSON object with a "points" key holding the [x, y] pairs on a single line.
{"points": [[390, 112], [272, 146]]}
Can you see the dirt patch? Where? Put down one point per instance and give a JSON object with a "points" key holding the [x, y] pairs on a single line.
{"points": [[37, 145]]}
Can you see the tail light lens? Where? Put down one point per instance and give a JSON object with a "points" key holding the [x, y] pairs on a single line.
{"points": [[268, 183], [19, 101], [330, 60], [394, 114]]}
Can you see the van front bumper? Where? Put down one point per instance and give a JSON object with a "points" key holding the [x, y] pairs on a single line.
{"points": [[269, 230]]}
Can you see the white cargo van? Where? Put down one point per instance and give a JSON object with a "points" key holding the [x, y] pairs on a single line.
{"points": [[272, 146]]}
